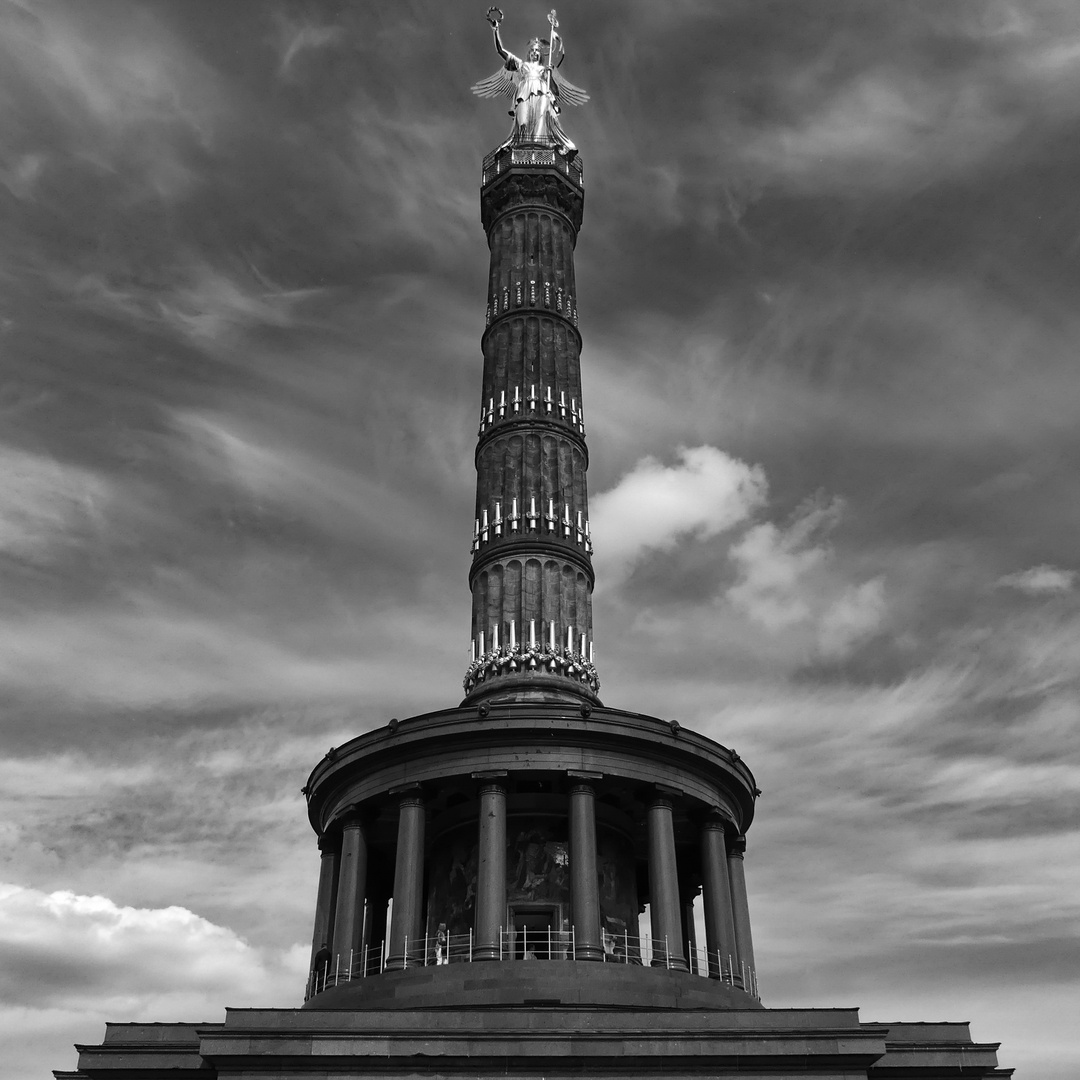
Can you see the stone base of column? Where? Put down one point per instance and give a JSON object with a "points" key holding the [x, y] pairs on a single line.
{"points": [[676, 963], [727, 979], [589, 952], [485, 952]]}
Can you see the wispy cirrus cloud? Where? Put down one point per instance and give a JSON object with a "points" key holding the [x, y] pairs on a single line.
{"points": [[298, 37], [46, 504]]}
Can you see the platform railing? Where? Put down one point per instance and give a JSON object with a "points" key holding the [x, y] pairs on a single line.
{"points": [[524, 944], [506, 156]]}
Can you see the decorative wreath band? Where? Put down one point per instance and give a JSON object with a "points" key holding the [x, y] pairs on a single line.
{"points": [[558, 660]]}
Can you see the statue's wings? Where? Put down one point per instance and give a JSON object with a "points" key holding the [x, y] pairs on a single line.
{"points": [[565, 90], [501, 84]]}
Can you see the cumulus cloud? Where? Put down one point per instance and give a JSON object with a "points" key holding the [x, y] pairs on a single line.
{"points": [[786, 582], [655, 506], [772, 569], [77, 945], [857, 613], [71, 961], [1044, 580], [211, 820]]}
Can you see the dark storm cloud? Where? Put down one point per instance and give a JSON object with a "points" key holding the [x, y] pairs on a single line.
{"points": [[827, 290]]}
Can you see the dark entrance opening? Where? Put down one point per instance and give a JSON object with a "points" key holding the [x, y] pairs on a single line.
{"points": [[535, 932]]}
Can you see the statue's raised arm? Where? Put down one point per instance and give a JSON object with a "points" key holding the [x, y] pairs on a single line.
{"points": [[536, 87]]}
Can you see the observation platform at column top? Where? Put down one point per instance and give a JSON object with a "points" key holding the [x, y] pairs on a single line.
{"points": [[529, 156]]}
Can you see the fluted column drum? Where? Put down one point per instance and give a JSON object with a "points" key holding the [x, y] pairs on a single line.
{"points": [[531, 575]]}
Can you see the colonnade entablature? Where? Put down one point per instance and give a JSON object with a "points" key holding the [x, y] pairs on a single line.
{"points": [[524, 738], [531, 831]]}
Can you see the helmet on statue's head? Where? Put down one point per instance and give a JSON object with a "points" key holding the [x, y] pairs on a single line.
{"points": [[540, 45]]}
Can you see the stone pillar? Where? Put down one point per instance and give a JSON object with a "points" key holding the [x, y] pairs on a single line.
{"points": [[352, 882], [490, 873], [323, 933], [739, 906], [406, 926], [664, 888], [584, 882], [719, 921]]}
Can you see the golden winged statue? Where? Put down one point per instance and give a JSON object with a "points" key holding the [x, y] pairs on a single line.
{"points": [[538, 90]]}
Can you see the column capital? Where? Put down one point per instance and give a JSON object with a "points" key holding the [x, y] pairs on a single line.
{"points": [[583, 781], [352, 817], [661, 794], [329, 843], [736, 846], [408, 795], [714, 823], [490, 782]]}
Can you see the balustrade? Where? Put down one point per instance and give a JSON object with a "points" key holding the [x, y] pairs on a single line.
{"points": [[525, 946]]}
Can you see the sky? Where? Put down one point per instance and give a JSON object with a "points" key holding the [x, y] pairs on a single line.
{"points": [[827, 288]]}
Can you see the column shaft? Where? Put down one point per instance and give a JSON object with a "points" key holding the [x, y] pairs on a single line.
{"points": [[490, 873], [584, 882], [352, 881], [352, 873], [406, 925], [323, 933], [719, 920], [739, 905], [664, 888]]}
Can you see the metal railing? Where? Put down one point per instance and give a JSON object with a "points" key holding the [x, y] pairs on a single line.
{"points": [[503, 157], [523, 944]]}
